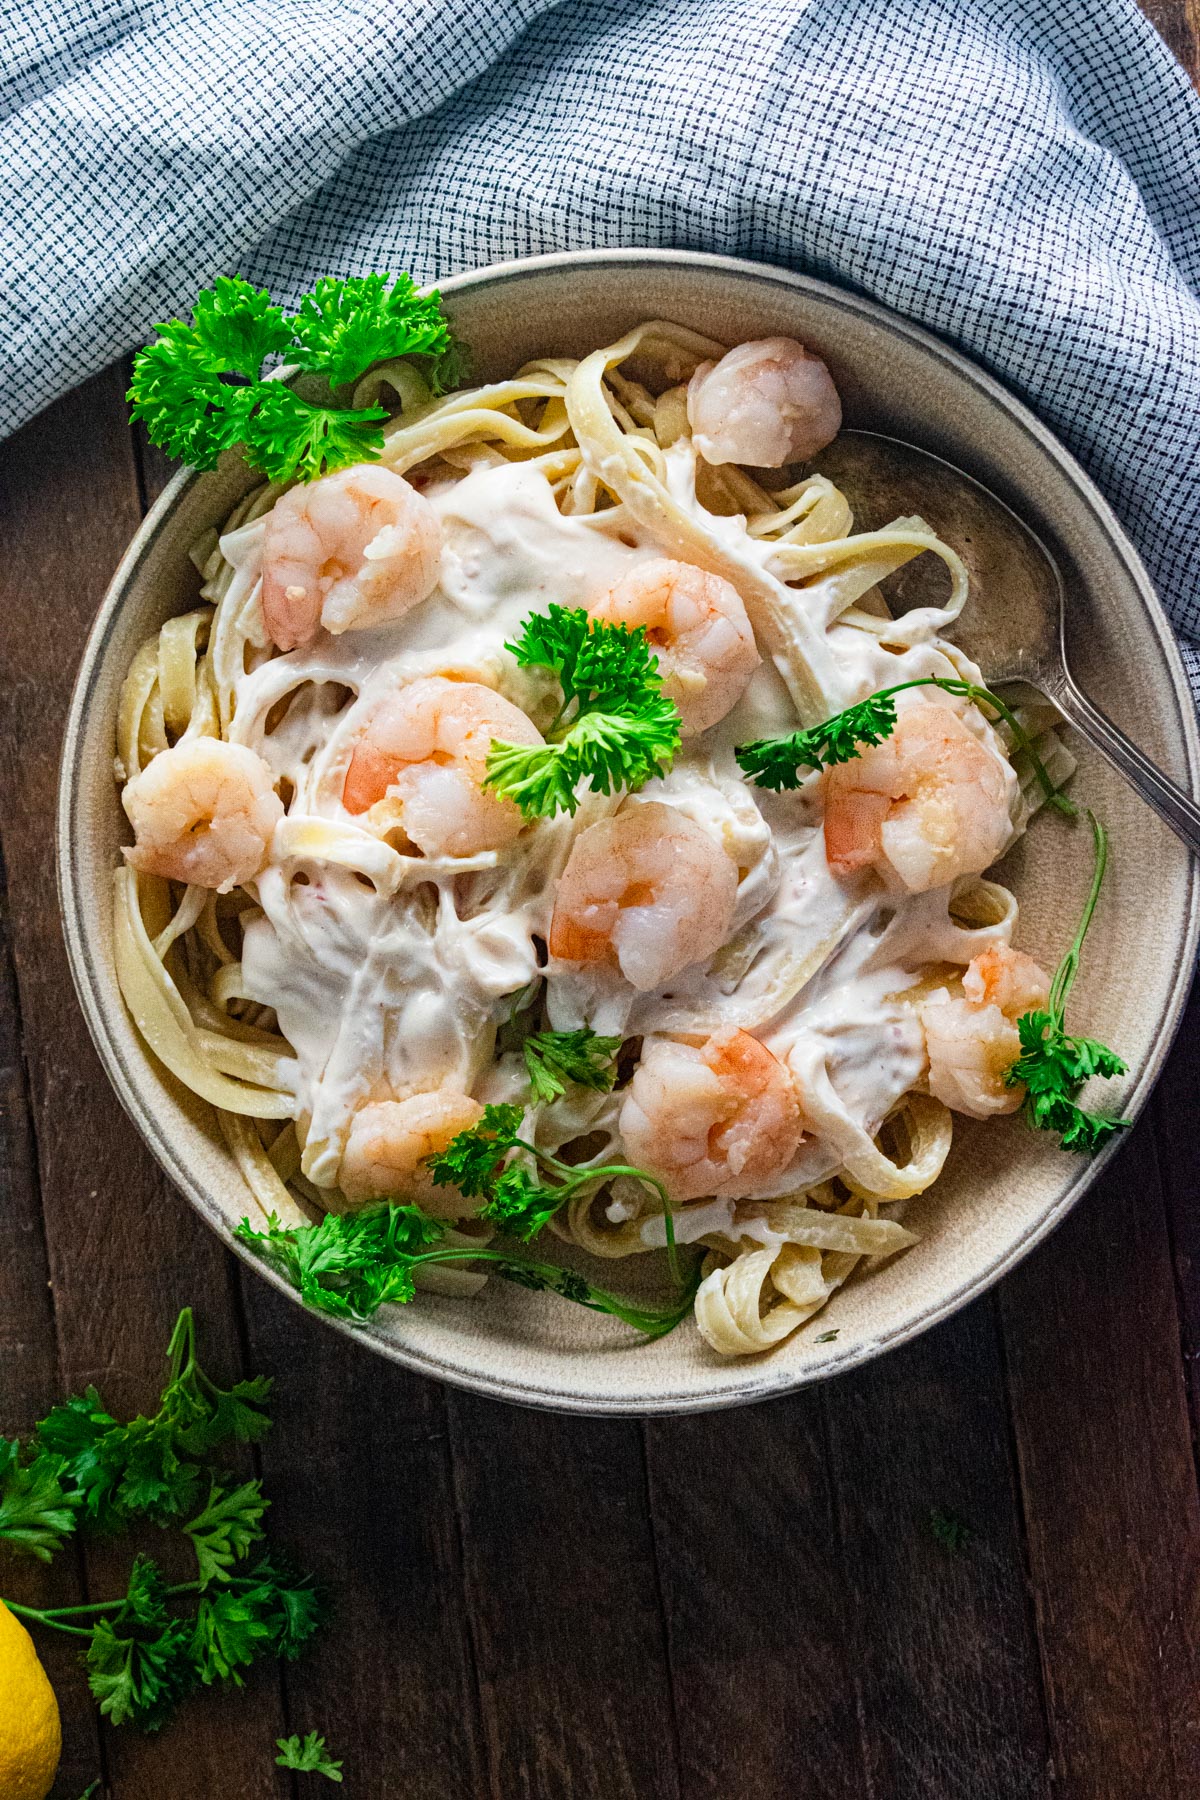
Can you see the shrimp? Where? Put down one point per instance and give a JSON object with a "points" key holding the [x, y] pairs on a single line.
{"points": [[203, 812], [426, 745], [389, 1141], [649, 888], [766, 403], [928, 804], [698, 628], [720, 1118], [360, 547], [972, 1037]]}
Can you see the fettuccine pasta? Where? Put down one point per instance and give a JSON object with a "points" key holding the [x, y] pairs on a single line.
{"points": [[334, 931]]}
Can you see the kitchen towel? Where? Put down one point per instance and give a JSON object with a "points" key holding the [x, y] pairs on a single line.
{"points": [[1021, 176]]}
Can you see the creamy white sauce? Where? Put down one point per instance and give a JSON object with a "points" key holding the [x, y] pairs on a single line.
{"points": [[389, 973]]}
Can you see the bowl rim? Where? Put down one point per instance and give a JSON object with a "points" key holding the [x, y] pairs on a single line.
{"points": [[765, 1379]]}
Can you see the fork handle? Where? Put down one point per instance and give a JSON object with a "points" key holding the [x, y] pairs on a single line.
{"points": [[1167, 798]]}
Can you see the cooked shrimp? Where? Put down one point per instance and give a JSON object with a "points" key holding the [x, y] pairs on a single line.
{"points": [[360, 547], [927, 805], [1007, 978], [389, 1141], [699, 630], [972, 1037], [203, 812], [766, 403], [720, 1118], [649, 888], [426, 747]]}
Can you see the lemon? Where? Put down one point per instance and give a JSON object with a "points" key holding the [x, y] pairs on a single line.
{"points": [[30, 1730]]}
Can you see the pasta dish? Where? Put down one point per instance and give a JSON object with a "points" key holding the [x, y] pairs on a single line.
{"points": [[479, 877]]}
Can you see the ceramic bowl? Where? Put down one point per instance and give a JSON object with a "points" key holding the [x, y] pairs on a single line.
{"points": [[1004, 1187]]}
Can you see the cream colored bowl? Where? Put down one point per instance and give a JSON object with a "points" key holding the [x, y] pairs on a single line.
{"points": [[1004, 1187]]}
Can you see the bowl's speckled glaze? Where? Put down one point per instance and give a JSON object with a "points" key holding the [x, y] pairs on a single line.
{"points": [[1004, 1187]]}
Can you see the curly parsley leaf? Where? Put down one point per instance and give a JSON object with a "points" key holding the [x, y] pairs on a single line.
{"points": [[310, 1757], [521, 1205], [557, 1059], [36, 1512], [199, 388], [615, 728], [1052, 1066], [784, 762], [114, 1472], [139, 1661], [291, 439], [344, 327], [374, 1268], [779, 763], [226, 1529], [229, 1633], [469, 1160]]}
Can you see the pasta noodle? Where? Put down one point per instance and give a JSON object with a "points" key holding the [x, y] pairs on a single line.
{"points": [[371, 958]]}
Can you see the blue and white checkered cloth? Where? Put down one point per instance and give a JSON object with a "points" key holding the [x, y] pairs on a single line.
{"points": [[1023, 176]]}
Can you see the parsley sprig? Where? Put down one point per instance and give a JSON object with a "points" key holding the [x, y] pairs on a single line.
{"points": [[82, 1468], [515, 1200], [557, 1060], [308, 1757], [350, 1265], [614, 729], [784, 762], [1054, 1066], [199, 389]]}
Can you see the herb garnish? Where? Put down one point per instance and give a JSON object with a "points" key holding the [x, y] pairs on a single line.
{"points": [[82, 1468], [310, 1757], [950, 1531], [350, 1265], [615, 728], [556, 1059], [1054, 1066], [783, 762], [199, 389], [514, 1199]]}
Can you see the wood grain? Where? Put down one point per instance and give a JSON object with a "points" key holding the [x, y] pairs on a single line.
{"points": [[359, 1467], [1109, 1483], [563, 1592], [942, 1637], [29, 1380], [757, 1599], [124, 1252]]}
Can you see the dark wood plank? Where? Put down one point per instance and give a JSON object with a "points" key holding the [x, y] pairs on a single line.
{"points": [[757, 1601], [124, 1252], [1092, 1339], [29, 1382], [943, 1638], [359, 1466], [562, 1588], [1172, 1111], [811, 1604]]}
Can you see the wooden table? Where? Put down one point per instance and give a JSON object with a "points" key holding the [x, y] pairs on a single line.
{"points": [[734, 1606]]}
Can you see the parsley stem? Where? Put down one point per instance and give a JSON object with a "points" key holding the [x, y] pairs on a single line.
{"points": [[969, 690], [51, 1620], [1068, 968], [52, 1615], [575, 1178]]}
